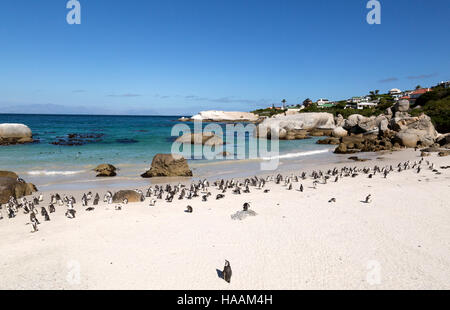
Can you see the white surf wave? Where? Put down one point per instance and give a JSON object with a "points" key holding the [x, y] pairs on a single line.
{"points": [[46, 172], [294, 155]]}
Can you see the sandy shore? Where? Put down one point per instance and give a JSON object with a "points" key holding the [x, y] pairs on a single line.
{"points": [[296, 241]]}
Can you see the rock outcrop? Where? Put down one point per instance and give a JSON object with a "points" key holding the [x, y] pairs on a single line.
{"points": [[106, 170], [339, 132], [224, 116], [298, 125], [168, 165], [131, 196], [205, 138], [401, 106], [11, 187], [15, 134]]}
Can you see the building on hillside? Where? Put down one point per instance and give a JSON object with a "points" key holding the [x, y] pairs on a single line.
{"points": [[364, 105], [404, 98], [417, 93], [444, 84], [395, 92], [355, 100], [324, 103]]}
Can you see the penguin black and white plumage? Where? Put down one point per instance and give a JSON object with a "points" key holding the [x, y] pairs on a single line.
{"points": [[51, 208], [152, 202], [34, 226], [227, 272], [45, 215], [246, 206], [96, 199]]}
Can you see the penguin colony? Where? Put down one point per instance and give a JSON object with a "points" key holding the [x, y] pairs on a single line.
{"points": [[201, 190]]}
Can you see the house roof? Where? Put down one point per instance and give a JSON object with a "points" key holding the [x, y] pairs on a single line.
{"points": [[420, 91]]}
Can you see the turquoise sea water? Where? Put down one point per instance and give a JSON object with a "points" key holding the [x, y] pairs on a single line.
{"points": [[128, 142]]}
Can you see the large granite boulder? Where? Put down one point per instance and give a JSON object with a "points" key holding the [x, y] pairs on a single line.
{"points": [[407, 139], [421, 127], [131, 196], [11, 187], [339, 132], [204, 138], [339, 120], [353, 120], [283, 125], [15, 134], [168, 165], [105, 170], [414, 137], [8, 174], [401, 106]]}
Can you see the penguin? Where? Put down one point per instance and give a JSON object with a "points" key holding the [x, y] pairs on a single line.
{"points": [[188, 209], [118, 208], [96, 200], [152, 202], [33, 218], [90, 209], [290, 187], [368, 199], [227, 272], [301, 188], [51, 208], [44, 213], [125, 201], [246, 206], [219, 196], [266, 191], [332, 200], [34, 226]]}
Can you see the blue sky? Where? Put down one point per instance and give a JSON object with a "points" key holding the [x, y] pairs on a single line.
{"points": [[178, 57]]}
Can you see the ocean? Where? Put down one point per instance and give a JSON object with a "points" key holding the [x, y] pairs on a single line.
{"points": [[68, 147]]}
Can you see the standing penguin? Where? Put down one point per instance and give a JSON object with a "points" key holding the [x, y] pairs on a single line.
{"points": [[227, 272], [246, 206]]}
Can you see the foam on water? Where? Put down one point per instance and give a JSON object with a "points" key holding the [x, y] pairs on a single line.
{"points": [[53, 173]]}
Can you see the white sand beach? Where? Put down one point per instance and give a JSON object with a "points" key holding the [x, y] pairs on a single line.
{"points": [[297, 240]]}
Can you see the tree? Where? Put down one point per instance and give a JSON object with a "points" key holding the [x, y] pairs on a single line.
{"points": [[418, 87], [307, 102]]}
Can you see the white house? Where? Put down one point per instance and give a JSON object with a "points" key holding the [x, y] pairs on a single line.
{"points": [[363, 105], [322, 102]]}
